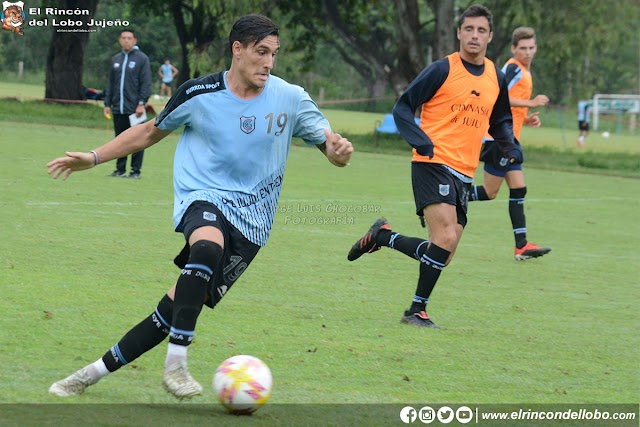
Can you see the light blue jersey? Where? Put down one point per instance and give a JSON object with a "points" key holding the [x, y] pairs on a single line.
{"points": [[583, 111], [167, 73], [233, 151]]}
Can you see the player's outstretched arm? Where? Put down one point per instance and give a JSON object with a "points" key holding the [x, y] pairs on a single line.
{"points": [[130, 141], [337, 149]]}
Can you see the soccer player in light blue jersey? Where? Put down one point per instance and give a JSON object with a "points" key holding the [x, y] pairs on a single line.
{"points": [[167, 73], [583, 121], [228, 172]]}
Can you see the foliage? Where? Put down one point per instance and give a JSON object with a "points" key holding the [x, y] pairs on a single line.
{"points": [[365, 35], [65, 59], [584, 46], [155, 38], [30, 49], [202, 28]]}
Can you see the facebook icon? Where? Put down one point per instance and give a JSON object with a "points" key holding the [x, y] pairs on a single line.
{"points": [[408, 415]]}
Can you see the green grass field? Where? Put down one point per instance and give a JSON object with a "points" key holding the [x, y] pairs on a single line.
{"points": [[84, 260]]}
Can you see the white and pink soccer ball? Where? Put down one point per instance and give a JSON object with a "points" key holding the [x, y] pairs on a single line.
{"points": [[243, 384]]}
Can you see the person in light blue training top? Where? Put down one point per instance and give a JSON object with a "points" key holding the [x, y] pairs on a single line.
{"points": [[228, 172], [583, 121], [167, 73]]}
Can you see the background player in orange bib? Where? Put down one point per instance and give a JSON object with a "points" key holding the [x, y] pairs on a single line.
{"points": [[460, 97], [496, 167]]}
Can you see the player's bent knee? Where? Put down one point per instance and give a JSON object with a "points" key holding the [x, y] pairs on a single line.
{"points": [[446, 240], [205, 252], [491, 194]]}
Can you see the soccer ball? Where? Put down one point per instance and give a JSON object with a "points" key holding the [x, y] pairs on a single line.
{"points": [[605, 134], [243, 384]]}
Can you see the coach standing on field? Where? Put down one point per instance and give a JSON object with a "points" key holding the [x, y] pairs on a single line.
{"points": [[127, 93]]}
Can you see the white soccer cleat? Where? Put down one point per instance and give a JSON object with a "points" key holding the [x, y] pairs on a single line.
{"points": [[178, 381], [74, 385]]}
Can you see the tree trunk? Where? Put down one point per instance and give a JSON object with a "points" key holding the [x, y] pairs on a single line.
{"points": [[444, 44], [410, 59], [183, 36], [66, 54], [376, 89]]}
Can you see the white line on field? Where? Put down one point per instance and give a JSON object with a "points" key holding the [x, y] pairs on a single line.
{"points": [[316, 201], [411, 202], [97, 204]]}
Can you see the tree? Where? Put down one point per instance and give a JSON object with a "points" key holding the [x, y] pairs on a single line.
{"points": [[66, 53], [202, 27], [445, 34], [384, 41], [584, 46]]}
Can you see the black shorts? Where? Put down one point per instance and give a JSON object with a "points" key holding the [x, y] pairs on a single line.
{"points": [[583, 125], [238, 251], [433, 183], [494, 161]]}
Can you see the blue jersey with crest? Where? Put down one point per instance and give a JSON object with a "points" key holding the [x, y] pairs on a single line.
{"points": [[233, 151]]}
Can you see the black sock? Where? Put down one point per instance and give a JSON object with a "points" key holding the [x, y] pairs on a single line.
{"points": [[431, 265], [413, 247], [191, 290], [478, 194], [142, 337], [516, 212]]}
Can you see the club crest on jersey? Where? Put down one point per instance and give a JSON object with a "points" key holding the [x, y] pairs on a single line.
{"points": [[504, 161], [132, 64], [443, 189], [248, 124]]}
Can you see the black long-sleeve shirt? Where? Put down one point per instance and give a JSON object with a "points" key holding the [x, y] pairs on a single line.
{"points": [[427, 84]]}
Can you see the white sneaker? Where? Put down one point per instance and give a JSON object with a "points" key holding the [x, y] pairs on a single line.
{"points": [[178, 381], [74, 385]]}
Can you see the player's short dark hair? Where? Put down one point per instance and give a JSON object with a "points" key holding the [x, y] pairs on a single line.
{"points": [[475, 11], [522, 33], [251, 29], [129, 30]]}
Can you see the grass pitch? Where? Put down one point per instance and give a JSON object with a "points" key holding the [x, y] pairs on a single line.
{"points": [[84, 260]]}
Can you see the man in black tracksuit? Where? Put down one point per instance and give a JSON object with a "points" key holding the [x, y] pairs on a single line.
{"points": [[127, 93]]}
